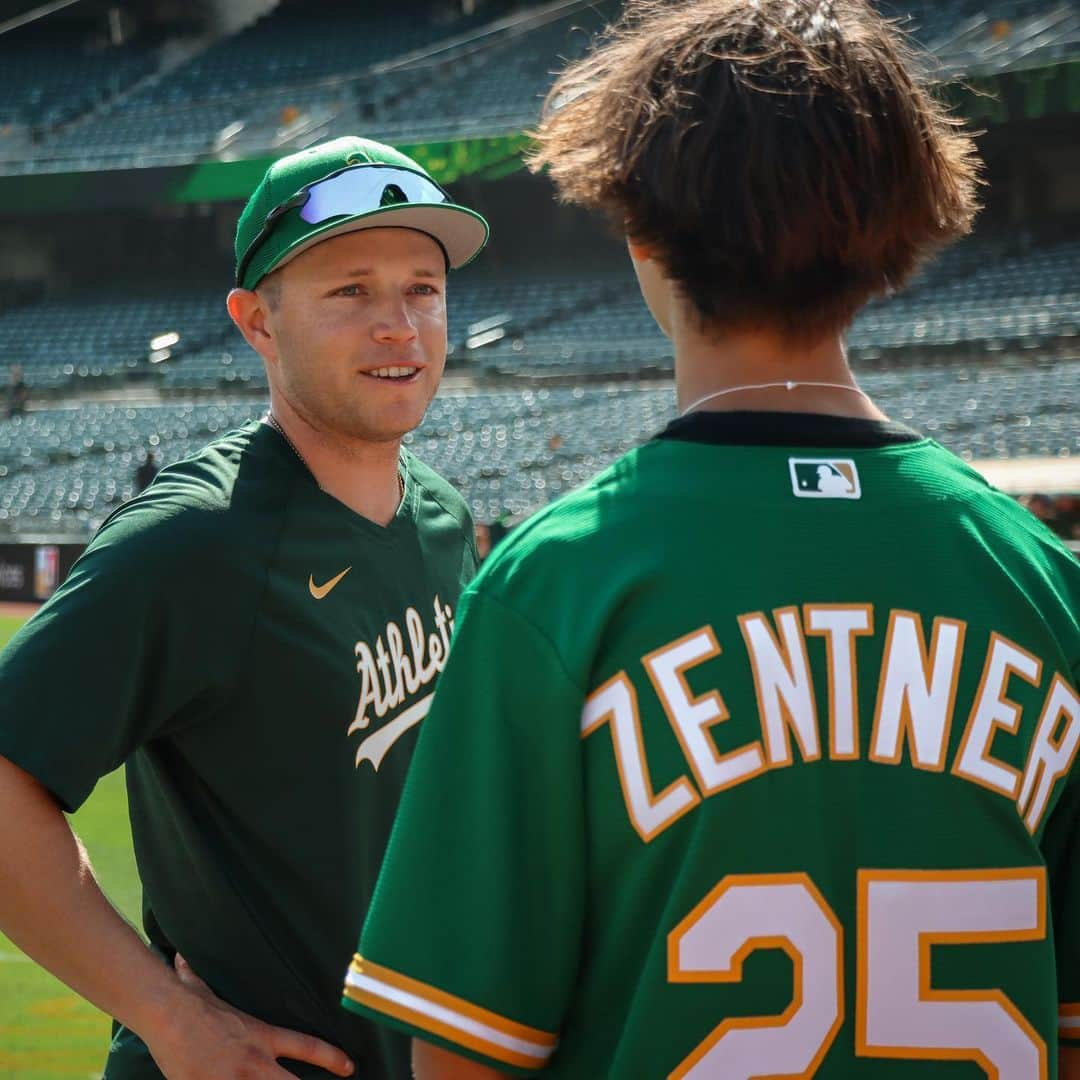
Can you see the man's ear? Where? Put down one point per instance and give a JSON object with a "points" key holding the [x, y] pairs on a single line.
{"points": [[251, 314], [639, 252]]}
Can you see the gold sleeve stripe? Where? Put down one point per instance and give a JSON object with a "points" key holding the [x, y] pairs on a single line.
{"points": [[452, 1018], [1069, 1020]]}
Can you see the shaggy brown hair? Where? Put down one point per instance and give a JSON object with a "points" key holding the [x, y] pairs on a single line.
{"points": [[777, 157]]}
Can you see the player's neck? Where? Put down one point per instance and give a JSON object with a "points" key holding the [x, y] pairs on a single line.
{"points": [[363, 475], [716, 374]]}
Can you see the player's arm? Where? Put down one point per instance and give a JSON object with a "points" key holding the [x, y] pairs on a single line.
{"points": [[108, 664], [433, 1063], [52, 908], [471, 942]]}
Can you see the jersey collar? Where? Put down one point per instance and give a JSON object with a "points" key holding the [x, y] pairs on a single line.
{"points": [[787, 429]]}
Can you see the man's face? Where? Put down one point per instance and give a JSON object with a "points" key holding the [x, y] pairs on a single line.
{"points": [[359, 328]]}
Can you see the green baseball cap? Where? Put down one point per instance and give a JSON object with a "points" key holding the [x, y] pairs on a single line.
{"points": [[342, 186]]}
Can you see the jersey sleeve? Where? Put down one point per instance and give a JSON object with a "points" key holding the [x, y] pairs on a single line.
{"points": [[1061, 847], [473, 936], [114, 658]]}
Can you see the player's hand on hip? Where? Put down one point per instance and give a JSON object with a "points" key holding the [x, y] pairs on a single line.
{"points": [[209, 1039]]}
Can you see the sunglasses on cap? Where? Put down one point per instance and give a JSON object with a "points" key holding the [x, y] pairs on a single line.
{"points": [[355, 189]]}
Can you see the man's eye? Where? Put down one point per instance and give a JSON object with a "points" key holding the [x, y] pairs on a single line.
{"points": [[425, 290], [348, 290]]}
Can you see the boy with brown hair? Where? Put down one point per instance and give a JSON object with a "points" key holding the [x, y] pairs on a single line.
{"points": [[731, 738]]}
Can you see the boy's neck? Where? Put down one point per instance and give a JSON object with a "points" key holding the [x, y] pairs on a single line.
{"points": [[761, 371]]}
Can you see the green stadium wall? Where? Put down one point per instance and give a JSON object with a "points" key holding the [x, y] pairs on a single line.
{"points": [[225, 181]]}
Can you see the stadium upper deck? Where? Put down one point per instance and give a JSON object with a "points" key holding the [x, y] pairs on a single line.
{"points": [[308, 70]]}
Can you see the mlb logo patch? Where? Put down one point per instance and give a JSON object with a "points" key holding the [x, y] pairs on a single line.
{"points": [[824, 478]]}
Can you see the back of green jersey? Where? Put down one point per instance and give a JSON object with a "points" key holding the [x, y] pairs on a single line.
{"points": [[773, 776]]}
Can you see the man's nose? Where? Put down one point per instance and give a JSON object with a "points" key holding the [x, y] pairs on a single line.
{"points": [[393, 324]]}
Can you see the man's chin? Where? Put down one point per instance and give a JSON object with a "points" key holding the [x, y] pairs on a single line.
{"points": [[363, 422], [381, 433]]}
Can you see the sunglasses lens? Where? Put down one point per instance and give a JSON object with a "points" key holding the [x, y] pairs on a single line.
{"points": [[366, 188]]}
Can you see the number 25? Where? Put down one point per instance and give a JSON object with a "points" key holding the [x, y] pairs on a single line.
{"points": [[901, 914]]}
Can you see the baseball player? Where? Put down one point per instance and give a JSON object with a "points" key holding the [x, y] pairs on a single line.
{"points": [[754, 757], [257, 637]]}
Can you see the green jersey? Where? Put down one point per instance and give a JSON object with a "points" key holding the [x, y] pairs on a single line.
{"points": [[753, 758], [260, 656]]}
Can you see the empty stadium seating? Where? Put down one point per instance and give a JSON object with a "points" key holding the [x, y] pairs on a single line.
{"points": [[107, 332], [968, 37], [307, 71], [50, 76], [64, 469], [981, 292], [496, 88], [300, 43], [967, 353], [510, 450], [985, 293], [1024, 299], [298, 61], [501, 87]]}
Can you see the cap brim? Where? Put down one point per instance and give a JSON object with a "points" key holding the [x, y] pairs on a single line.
{"points": [[461, 232]]}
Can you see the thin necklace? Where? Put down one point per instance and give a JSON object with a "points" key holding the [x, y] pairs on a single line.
{"points": [[272, 420], [789, 385]]}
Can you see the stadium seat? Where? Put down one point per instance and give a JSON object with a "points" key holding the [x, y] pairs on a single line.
{"points": [[511, 450]]}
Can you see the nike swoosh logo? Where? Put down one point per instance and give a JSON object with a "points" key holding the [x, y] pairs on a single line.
{"points": [[376, 746], [319, 591]]}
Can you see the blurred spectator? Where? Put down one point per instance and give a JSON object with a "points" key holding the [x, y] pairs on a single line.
{"points": [[1067, 523], [1042, 506], [18, 392], [1058, 512], [1068, 506], [146, 471], [483, 540], [489, 535], [555, 442], [500, 527]]}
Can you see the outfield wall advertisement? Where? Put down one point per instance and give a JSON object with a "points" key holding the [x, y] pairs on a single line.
{"points": [[30, 573]]}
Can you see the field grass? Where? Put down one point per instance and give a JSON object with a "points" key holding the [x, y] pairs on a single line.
{"points": [[8, 625], [46, 1032]]}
